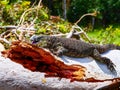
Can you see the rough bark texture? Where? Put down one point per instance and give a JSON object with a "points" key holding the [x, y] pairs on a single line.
{"points": [[15, 77], [37, 59]]}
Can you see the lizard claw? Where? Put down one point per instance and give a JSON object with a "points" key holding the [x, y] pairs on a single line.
{"points": [[111, 66], [59, 53]]}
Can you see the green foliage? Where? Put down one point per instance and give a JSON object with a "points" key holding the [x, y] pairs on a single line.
{"points": [[43, 14], [109, 35], [80, 7], [11, 13], [63, 27], [4, 2], [49, 27], [41, 30], [109, 10]]}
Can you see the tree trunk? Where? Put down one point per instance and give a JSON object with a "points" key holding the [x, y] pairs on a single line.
{"points": [[64, 10]]}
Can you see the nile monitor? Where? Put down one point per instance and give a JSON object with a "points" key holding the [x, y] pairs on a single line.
{"points": [[75, 48]]}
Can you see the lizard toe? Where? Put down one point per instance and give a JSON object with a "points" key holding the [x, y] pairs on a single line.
{"points": [[111, 66]]}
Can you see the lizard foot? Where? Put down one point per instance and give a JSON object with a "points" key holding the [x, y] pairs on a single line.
{"points": [[58, 53], [110, 65]]}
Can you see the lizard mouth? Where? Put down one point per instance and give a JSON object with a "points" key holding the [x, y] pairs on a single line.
{"points": [[33, 42], [37, 43]]}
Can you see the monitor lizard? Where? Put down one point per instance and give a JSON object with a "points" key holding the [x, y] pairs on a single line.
{"points": [[75, 48]]}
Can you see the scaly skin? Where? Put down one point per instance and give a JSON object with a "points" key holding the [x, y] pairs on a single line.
{"points": [[76, 48]]}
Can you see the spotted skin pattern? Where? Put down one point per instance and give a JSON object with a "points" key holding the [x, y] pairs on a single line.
{"points": [[76, 48]]}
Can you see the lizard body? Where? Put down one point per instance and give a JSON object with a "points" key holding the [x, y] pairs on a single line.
{"points": [[76, 48]]}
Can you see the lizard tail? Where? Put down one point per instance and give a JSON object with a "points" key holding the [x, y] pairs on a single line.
{"points": [[107, 47], [118, 47]]}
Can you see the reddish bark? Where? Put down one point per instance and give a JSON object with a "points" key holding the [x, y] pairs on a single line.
{"points": [[37, 59]]}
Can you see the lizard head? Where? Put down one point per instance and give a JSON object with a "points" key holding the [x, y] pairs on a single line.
{"points": [[37, 39]]}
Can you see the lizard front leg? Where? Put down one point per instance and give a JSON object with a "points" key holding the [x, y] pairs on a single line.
{"points": [[96, 55], [61, 50], [58, 49]]}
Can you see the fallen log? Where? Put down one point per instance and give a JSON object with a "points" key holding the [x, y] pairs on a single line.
{"points": [[91, 77], [37, 59]]}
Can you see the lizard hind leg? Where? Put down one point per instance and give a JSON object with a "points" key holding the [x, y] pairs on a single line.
{"points": [[96, 55]]}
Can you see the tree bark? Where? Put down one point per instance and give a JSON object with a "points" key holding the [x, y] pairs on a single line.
{"points": [[64, 10]]}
